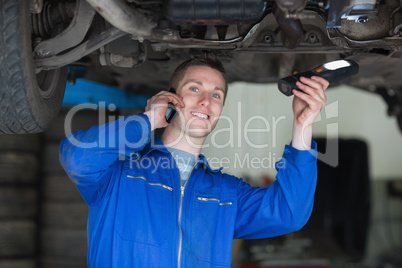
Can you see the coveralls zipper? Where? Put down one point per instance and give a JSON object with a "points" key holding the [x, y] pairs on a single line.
{"points": [[181, 205]]}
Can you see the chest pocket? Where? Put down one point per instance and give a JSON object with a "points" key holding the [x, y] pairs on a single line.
{"points": [[212, 227], [144, 210]]}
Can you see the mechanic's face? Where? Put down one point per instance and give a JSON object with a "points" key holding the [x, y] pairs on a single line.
{"points": [[203, 90]]}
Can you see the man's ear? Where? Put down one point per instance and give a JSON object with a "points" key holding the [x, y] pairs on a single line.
{"points": [[178, 91]]}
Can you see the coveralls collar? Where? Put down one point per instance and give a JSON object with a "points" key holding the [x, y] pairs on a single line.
{"points": [[157, 144]]}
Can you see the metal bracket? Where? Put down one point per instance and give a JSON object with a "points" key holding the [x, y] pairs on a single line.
{"points": [[80, 51], [72, 36], [336, 10]]}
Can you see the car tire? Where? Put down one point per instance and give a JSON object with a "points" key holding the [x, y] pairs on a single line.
{"points": [[28, 101]]}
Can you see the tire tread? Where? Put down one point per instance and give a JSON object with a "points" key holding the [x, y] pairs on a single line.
{"points": [[17, 112]]}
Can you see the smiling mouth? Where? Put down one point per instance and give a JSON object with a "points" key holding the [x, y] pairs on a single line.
{"points": [[203, 116]]}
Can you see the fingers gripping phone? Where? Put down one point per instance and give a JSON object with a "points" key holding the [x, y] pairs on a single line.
{"points": [[171, 110], [331, 71]]}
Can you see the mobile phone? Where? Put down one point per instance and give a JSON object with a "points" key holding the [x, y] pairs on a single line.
{"points": [[171, 110], [332, 71]]}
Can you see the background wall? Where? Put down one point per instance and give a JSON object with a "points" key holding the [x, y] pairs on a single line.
{"points": [[350, 113]]}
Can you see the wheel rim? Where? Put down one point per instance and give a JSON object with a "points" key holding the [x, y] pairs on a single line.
{"points": [[47, 82]]}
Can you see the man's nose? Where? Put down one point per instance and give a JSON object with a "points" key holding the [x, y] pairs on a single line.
{"points": [[204, 99]]}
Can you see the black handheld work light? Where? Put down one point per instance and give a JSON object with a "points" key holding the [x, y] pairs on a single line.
{"points": [[332, 71]]}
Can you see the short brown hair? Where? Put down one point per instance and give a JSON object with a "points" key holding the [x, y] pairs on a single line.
{"points": [[207, 59]]}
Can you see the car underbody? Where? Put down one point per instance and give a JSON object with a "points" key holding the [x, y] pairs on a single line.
{"points": [[136, 44]]}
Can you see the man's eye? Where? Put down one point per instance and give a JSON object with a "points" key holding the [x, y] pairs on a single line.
{"points": [[194, 89], [215, 95]]}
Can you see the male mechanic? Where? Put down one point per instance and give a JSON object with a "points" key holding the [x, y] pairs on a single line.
{"points": [[155, 202]]}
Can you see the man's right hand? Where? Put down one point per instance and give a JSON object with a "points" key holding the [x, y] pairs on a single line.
{"points": [[157, 106]]}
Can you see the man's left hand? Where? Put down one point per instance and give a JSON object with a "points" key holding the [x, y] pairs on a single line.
{"points": [[307, 105]]}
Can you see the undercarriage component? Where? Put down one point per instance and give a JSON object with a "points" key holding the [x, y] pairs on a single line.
{"points": [[394, 23], [135, 44], [82, 50], [291, 8], [45, 21], [362, 11], [124, 18], [36, 6], [119, 60], [124, 52], [357, 10], [397, 31], [73, 35], [212, 12], [286, 15], [292, 29]]}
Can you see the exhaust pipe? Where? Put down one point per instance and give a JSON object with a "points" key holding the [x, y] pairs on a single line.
{"points": [[292, 29], [124, 18]]}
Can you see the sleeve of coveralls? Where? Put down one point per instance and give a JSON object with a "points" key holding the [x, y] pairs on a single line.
{"points": [[87, 156], [286, 205]]}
